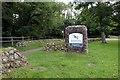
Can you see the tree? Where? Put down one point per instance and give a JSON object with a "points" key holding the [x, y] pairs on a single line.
{"points": [[116, 17], [34, 19], [101, 14], [103, 11], [86, 18], [7, 18]]}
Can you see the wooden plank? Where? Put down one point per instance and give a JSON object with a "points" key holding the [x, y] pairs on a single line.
{"points": [[5, 41], [13, 37], [9, 40]]}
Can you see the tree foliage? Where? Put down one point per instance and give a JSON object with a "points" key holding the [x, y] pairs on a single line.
{"points": [[98, 17], [46, 20], [34, 19], [116, 18]]}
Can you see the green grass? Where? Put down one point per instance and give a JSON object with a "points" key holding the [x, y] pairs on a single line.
{"points": [[28, 47], [100, 62], [114, 36], [39, 43], [34, 45]]}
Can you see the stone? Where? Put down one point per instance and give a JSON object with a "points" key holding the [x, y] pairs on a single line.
{"points": [[11, 59], [4, 60], [82, 45], [16, 56], [53, 47]]}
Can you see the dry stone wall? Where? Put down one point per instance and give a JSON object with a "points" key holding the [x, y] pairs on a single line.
{"points": [[54, 47]]}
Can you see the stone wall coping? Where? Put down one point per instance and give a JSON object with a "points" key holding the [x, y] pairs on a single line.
{"points": [[77, 26]]}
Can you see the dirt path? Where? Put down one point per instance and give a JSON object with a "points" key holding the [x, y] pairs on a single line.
{"points": [[32, 50]]}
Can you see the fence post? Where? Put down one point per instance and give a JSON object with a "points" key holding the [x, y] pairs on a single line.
{"points": [[23, 38], [12, 40], [28, 38], [32, 37]]}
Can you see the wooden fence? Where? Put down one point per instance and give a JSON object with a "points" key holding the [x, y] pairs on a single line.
{"points": [[12, 39]]}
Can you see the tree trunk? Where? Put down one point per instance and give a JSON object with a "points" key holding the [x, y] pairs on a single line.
{"points": [[103, 37], [102, 30]]}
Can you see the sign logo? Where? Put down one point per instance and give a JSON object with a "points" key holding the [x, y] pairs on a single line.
{"points": [[76, 39], [75, 36]]}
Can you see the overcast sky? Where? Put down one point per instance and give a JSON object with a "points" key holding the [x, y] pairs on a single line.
{"points": [[65, 1]]}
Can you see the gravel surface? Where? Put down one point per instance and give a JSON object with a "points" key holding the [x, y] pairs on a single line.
{"points": [[32, 50], [112, 38]]}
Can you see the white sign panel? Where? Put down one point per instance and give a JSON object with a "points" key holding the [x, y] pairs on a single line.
{"points": [[76, 38]]}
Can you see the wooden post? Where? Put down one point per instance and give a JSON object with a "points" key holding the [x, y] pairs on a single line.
{"points": [[32, 37], [28, 38], [63, 34], [23, 38], [12, 40]]}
